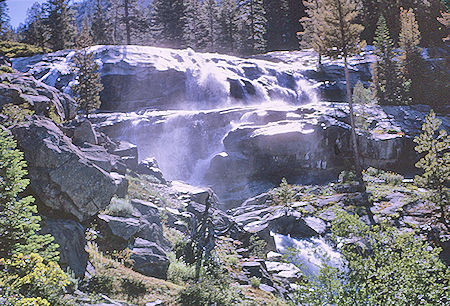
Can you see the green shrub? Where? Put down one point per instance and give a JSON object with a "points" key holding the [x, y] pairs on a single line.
{"points": [[284, 195], [119, 208], [179, 272], [133, 287], [257, 246], [101, 283], [394, 268], [19, 224], [16, 113], [28, 276], [347, 177], [16, 49], [255, 282], [206, 292], [390, 178], [6, 69]]}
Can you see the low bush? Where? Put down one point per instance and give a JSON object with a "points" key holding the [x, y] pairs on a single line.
{"points": [[179, 272], [119, 208], [16, 113], [133, 287], [16, 49], [101, 283], [347, 177], [206, 292], [255, 282], [388, 177], [28, 276], [6, 69]]}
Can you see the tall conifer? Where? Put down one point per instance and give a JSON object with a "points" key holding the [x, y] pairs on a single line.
{"points": [[252, 27], [385, 72], [228, 20], [101, 26], [339, 36], [19, 224], [59, 21], [412, 66]]}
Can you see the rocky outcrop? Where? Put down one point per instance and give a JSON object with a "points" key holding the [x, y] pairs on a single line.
{"points": [[136, 77], [142, 233], [44, 100], [70, 237], [61, 176], [243, 151]]}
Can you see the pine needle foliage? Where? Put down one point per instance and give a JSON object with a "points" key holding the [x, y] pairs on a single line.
{"points": [[19, 224], [59, 21], [335, 28], [412, 66], [387, 85], [435, 164], [88, 87]]}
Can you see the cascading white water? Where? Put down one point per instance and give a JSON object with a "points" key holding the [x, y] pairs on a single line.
{"points": [[312, 253]]}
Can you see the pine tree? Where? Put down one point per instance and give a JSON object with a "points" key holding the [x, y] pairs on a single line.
{"points": [[84, 37], [35, 32], [310, 36], [19, 224], [228, 21], [339, 36], [88, 87], [252, 27], [168, 22], [278, 24], [211, 15], [412, 66], [4, 18], [385, 72], [195, 26], [435, 164], [101, 26], [59, 21]]}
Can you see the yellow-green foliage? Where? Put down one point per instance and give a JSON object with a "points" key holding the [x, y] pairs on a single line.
{"points": [[16, 49], [32, 302], [28, 276], [6, 69], [16, 113]]}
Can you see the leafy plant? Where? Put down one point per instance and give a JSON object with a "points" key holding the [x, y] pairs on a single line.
{"points": [[28, 276], [255, 282], [179, 272], [16, 113], [257, 246]]}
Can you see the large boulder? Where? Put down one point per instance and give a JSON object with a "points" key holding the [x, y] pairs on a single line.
{"points": [[44, 100], [61, 177], [149, 258], [70, 237]]}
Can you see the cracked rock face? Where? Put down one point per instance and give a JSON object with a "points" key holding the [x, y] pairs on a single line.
{"points": [[18, 88], [61, 177]]}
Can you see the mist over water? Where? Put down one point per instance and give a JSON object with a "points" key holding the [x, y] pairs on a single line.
{"points": [[222, 94]]}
